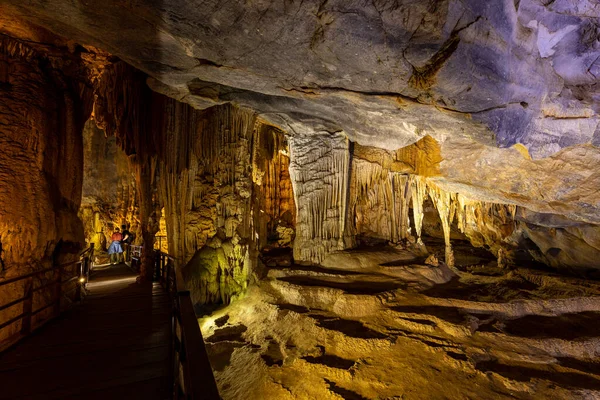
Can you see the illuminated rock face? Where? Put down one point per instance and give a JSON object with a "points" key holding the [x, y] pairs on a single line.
{"points": [[41, 161], [109, 189], [381, 324], [507, 90], [41, 168], [467, 109], [386, 73], [228, 197], [320, 167], [307, 129]]}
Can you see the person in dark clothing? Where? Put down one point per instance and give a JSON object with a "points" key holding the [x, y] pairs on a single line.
{"points": [[126, 241]]}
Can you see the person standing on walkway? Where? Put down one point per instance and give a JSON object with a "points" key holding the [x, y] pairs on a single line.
{"points": [[115, 250], [125, 242]]}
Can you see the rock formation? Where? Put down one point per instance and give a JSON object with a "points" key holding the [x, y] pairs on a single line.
{"points": [[377, 161], [41, 166]]}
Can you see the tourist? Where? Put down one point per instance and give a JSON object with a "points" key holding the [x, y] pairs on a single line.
{"points": [[115, 250], [125, 242]]}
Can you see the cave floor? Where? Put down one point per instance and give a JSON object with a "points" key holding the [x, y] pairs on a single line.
{"points": [[381, 324], [115, 345]]}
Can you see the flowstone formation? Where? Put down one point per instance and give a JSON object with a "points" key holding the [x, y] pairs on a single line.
{"points": [[319, 171], [43, 110]]}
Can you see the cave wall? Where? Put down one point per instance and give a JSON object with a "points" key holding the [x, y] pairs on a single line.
{"points": [[42, 113], [232, 184], [274, 209], [207, 186], [512, 233], [508, 87], [42, 156]]}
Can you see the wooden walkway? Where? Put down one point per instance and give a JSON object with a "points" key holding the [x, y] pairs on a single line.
{"points": [[115, 345]]}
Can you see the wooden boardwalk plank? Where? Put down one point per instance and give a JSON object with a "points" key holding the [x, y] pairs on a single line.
{"points": [[115, 345]]}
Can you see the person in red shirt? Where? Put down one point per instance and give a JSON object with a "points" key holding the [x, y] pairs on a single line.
{"points": [[115, 250]]}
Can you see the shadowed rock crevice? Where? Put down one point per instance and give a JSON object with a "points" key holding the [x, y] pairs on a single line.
{"points": [[524, 373]]}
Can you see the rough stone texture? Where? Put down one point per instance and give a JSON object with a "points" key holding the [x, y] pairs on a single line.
{"points": [[379, 202], [380, 324], [109, 196], [470, 73], [43, 110], [227, 194], [319, 169], [505, 92]]}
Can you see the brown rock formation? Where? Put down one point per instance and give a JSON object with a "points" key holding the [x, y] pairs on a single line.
{"points": [[110, 196], [43, 109]]}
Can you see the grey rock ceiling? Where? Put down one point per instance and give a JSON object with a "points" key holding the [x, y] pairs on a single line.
{"points": [[477, 75]]}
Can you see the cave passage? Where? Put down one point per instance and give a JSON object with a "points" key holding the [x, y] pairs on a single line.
{"points": [[320, 199]]}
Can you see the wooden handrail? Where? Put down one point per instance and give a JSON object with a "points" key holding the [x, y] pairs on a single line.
{"points": [[188, 351], [81, 276]]}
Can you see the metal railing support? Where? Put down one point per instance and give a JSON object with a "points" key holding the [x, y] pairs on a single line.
{"points": [[192, 377], [58, 272]]}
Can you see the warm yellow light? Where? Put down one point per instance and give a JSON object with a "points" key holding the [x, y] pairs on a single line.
{"points": [[81, 280]]}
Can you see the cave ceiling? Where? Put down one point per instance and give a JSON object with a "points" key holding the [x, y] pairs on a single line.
{"points": [[508, 88]]}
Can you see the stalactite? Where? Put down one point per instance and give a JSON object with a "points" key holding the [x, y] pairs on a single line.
{"points": [[379, 201], [419, 193], [222, 171], [485, 224], [443, 202]]}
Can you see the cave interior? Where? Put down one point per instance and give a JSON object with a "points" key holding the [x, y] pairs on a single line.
{"points": [[366, 200]]}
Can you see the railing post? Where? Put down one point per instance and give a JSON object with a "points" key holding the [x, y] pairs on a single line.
{"points": [[90, 261], [81, 268], [156, 266], [27, 306], [58, 291], [167, 273]]}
